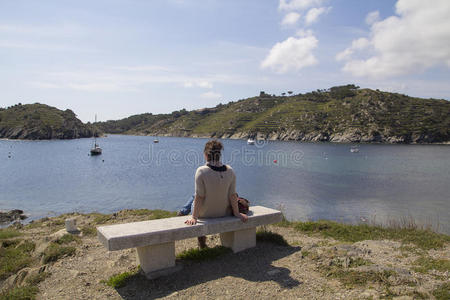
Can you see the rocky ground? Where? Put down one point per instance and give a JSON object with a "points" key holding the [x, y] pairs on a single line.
{"points": [[310, 267]]}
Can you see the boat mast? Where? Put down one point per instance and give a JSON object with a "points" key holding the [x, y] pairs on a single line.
{"points": [[95, 137]]}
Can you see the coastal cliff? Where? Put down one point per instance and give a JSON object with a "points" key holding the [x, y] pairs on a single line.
{"points": [[41, 122], [339, 114]]}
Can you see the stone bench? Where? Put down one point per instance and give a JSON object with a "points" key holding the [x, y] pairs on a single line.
{"points": [[155, 239]]}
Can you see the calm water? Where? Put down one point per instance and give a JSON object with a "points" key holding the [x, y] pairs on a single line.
{"points": [[310, 181]]}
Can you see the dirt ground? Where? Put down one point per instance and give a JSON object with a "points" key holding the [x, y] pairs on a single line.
{"points": [[301, 270]]}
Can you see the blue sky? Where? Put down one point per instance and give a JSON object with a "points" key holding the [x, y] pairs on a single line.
{"points": [[116, 58]]}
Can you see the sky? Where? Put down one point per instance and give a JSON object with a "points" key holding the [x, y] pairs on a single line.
{"points": [[116, 58]]}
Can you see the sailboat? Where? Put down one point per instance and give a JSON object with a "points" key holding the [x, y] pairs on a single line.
{"points": [[96, 150], [354, 149]]}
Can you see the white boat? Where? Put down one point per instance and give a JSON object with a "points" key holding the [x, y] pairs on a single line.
{"points": [[96, 150], [250, 141], [155, 141], [354, 149]]}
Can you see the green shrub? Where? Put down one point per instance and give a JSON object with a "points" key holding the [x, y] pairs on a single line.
{"points": [[8, 233], [55, 251], [20, 293], [424, 239], [203, 254], [14, 256], [68, 238], [425, 264], [120, 280], [442, 292], [35, 279], [271, 237], [89, 230]]}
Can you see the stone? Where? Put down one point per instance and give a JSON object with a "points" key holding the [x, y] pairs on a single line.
{"points": [[239, 240], [71, 225], [369, 294], [156, 257], [155, 239], [137, 234]]}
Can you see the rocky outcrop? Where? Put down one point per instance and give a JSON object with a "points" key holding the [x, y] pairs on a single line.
{"points": [[11, 216], [41, 122]]}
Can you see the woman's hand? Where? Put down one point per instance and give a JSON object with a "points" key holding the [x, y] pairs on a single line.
{"points": [[192, 221], [243, 217]]}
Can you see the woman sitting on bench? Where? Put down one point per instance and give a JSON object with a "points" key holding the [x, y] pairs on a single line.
{"points": [[215, 189]]}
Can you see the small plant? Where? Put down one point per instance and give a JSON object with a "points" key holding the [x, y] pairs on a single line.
{"points": [[14, 255], [120, 280], [57, 222], [358, 261], [88, 230], [68, 238], [55, 251], [353, 277], [101, 218], [271, 237], [8, 233], [442, 292], [424, 239], [35, 279], [20, 293], [425, 264], [161, 214], [203, 254]]}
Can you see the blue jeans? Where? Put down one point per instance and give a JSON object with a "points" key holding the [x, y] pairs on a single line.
{"points": [[187, 208]]}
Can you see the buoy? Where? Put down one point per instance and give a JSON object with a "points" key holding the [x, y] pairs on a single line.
{"points": [[275, 161]]}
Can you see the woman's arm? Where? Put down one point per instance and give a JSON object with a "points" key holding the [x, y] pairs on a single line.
{"points": [[197, 204], [235, 207]]}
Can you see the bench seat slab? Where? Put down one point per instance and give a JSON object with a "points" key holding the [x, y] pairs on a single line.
{"points": [[239, 240], [153, 232]]}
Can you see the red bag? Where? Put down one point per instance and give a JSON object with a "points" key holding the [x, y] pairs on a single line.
{"points": [[243, 205]]}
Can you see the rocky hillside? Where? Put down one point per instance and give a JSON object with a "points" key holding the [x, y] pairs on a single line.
{"points": [[339, 114], [40, 122]]}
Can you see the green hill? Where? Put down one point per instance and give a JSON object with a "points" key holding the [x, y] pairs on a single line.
{"points": [[339, 114], [39, 122]]}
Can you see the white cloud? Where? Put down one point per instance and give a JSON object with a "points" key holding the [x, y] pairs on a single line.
{"points": [[144, 68], [298, 4], [359, 44], [60, 30], [291, 18], [372, 17], [292, 54], [303, 33], [314, 13], [211, 95], [201, 84], [416, 39]]}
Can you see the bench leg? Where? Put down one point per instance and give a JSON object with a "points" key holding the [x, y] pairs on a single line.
{"points": [[239, 240], [157, 260]]}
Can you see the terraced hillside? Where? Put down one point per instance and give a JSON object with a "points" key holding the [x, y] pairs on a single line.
{"points": [[339, 114]]}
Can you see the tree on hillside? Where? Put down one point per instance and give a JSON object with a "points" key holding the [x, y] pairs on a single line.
{"points": [[343, 91]]}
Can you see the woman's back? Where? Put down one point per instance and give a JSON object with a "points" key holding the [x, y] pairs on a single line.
{"points": [[215, 185]]}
